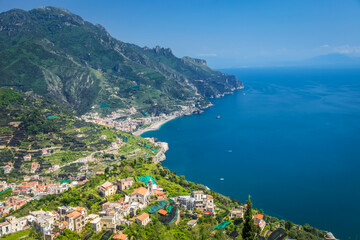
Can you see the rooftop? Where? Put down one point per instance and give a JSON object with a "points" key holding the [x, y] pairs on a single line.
{"points": [[258, 216], [74, 214], [140, 190], [143, 216], [120, 236]]}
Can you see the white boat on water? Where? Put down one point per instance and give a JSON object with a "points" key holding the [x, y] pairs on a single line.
{"points": [[221, 179]]}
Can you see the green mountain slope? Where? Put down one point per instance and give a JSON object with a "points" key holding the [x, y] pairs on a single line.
{"points": [[57, 54], [29, 124]]}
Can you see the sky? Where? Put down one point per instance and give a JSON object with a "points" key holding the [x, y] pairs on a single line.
{"points": [[227, 33]]}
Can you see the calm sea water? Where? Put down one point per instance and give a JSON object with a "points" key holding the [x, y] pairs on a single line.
{"points": [[294, 136]]}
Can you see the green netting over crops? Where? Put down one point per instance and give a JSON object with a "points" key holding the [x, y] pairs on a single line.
{"points": [[155, 208], [5, 190], [145, 180], [221, 225], [169, 209]]}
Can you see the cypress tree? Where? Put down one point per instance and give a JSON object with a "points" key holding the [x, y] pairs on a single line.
{"points": [[249, 231]]}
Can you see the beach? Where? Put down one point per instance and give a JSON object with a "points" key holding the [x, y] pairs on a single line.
{"points": [[154, 126]]}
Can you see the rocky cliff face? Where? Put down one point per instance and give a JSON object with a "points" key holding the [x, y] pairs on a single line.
{"points": [[57, 54]]}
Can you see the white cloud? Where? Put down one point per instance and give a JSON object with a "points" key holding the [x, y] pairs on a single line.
{"points": [[347, 49], [325, 46]]}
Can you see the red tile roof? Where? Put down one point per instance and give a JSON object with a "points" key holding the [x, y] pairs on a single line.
{"points": [[143, 216], [162, 212], [258, 216], [120, 236], [140, 190]]}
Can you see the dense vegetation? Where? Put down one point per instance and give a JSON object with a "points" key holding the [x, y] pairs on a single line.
{"points": [[53, 52], [30, 124]]}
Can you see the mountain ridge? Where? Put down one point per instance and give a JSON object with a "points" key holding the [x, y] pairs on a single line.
{"points": [[57, 54]]}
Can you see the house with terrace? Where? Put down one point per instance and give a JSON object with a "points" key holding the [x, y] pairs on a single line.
{"points": [[259, 221], [12, 225], [107, 189], [143, 219]]}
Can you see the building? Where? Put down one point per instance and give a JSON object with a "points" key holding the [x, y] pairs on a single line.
{"points": [[5, 228], [186, 202], [34, 167], [8, 168], [140, 195], [107, 189], [28, 186], [259, 221], [108, 222], [12, 225], [120, 236], [76, 221], [143, 219], [44, 221], [96, 224], [27, 157], [111, 206], [237, 213], [203, 202], [160, 194], [192, 223], [329, 236], [125, 183]]}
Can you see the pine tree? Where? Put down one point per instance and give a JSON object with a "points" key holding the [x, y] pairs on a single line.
{"points": [[249, 231]]}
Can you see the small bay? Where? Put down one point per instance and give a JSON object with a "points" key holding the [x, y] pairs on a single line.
{"points": [[290, 139]]}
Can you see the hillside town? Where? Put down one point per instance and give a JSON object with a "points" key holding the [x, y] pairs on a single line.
{"points": [[127, 210], [121, 119], [141, 198], [26, 192]]}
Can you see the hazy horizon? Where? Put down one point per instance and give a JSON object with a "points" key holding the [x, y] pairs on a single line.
{"points": [[227, 34]]}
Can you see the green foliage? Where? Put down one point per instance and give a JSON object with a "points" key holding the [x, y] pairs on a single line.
{"points": [[249, 230], [18, 235], [9, 97], [84, 66], [68, 235], [35, 123], [288, 225], [5, 194]]}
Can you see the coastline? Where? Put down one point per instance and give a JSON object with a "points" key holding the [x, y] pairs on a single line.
{"points": [[157, 125], [153, 127]]}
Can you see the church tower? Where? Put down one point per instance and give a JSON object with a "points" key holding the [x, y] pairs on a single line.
{"points": [[150, 187]]}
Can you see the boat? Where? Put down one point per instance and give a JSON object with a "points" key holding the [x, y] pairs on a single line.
{"points": [[221, 179], [218, 117], [230, 151]]}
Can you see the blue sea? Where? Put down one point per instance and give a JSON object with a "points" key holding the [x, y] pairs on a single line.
{"points": [[290, 139]]}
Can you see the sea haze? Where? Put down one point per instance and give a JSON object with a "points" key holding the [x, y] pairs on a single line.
{"points": [[290, 139]]}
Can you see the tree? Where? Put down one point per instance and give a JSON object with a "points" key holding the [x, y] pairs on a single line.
{"points": [[288, 225], [249, 230]]}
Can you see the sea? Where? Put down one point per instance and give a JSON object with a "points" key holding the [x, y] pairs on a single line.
{"points": [[290, 139]]}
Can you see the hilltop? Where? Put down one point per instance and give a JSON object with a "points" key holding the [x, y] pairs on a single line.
{"points": [[51, 52]]}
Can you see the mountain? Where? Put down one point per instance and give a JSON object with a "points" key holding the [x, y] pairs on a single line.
{"points": [[51, 52]]}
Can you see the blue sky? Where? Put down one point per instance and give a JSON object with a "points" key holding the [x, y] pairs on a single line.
{"points": [[230, 33]]}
